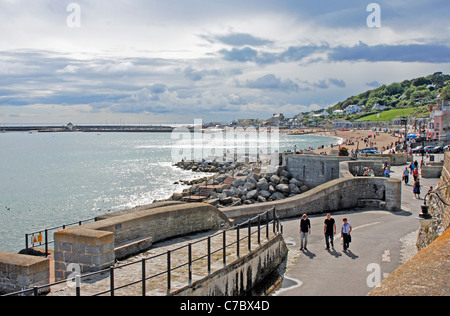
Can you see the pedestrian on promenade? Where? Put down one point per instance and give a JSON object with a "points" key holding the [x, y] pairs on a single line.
{"points": [[406, 175], [305, 230], [416, 189], [416, 174], [329, 229], [345, 234]]}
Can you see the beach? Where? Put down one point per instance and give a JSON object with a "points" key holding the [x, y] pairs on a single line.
{"points": [[354, 140]]}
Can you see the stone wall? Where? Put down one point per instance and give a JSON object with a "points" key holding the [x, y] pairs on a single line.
{"points": [[336, 195], [19, 272], [242, 275], [92, 246], [438, 209], [313, 170]]}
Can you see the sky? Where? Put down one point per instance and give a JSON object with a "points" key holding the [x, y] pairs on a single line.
{"points": [[174, 61]]}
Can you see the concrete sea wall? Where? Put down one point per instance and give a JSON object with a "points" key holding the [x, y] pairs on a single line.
{"points": [[18, 272], [336, 195], [242, 275], [93, 246]]}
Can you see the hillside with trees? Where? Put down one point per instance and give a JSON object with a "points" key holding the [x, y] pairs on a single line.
{"points": [[416, 95]]}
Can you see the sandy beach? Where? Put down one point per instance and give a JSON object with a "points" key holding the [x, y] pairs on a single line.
{"points": [[354, 139]]}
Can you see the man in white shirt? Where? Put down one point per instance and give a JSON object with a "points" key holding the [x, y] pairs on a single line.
{"points": [[345, 234]]}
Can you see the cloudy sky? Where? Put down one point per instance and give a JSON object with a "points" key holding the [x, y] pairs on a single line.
{"points": [[173, 61]]}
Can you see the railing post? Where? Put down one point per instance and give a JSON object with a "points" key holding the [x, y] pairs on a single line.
{"points": [[249, 236], [190, 263], [259, 229], [237, 240], [168, 272], [224, 248], [46, 243], [143, 278], [35, 291], [267, 225], [78, 285], [111, 280], [26, 241], [209, 255]]}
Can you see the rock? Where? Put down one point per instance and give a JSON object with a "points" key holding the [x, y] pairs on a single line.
{"points": [[253, 176], [277, 196], [272, 189], [283, 188], [304, 188], [213, 202], [272, 170], [294, 189], [238, 182], [228, 193], [249, 186], [250, 179], [265, 194], [285, 173], [296, 182], [252, 195], [177, 196], [226, 200], [263, 185], [284, 180], [261, 199], [275, 179]]}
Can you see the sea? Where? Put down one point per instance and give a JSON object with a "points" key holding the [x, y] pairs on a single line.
{"points": [[53, 179]]}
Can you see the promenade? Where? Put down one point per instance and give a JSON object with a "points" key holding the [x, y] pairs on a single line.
{"points": [[382, 242]]}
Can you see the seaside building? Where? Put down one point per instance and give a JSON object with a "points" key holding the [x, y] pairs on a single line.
{"points": [[439, 124]]}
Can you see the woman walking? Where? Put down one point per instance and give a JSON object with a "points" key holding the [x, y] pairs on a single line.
{"points": [[416, 189]]}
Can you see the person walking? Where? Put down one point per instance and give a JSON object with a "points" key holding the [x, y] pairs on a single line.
{"points": [[345, 234], [416, 188], [305, 230], [329, 230], [406, 175]]}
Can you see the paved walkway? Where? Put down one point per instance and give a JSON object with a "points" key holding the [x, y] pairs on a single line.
{"points": [[382, 241], [179, 257]]}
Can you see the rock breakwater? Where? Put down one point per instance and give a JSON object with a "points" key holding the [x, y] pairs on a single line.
{"points": [[235, 184]]}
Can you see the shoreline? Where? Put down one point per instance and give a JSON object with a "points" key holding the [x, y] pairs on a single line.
{"points": [[359, 139]]}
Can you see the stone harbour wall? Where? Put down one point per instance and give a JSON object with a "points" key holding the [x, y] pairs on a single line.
{"points": [[18, 272], [92, 246]]}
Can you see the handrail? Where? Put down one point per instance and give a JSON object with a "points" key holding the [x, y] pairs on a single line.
{"points": [[277, 229]]}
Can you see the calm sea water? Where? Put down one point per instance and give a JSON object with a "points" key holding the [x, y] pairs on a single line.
{"points": [[52, 179]]}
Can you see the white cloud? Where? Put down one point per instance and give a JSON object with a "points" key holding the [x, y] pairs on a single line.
{"points": [[181, 59]]}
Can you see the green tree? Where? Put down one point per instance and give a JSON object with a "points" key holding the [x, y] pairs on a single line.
{"points": [[445, 93]]}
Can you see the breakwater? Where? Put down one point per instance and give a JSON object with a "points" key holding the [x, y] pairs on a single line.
{"points": [[89, 129]]}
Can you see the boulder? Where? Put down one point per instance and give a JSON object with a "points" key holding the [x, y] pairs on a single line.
{"points": [[283, 188], [304, 188], [252, 195], [294, 189], [275, 179], [249, 186], [277, 196], [296, 182], [265, 194], [238, 182], [263, 185]]}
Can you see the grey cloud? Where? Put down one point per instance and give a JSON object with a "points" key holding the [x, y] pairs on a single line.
{"points": [[271, 82], [238, 39]]}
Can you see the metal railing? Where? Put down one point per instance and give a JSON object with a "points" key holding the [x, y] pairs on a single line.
{"points": [[41, 237], [262, 232]]}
